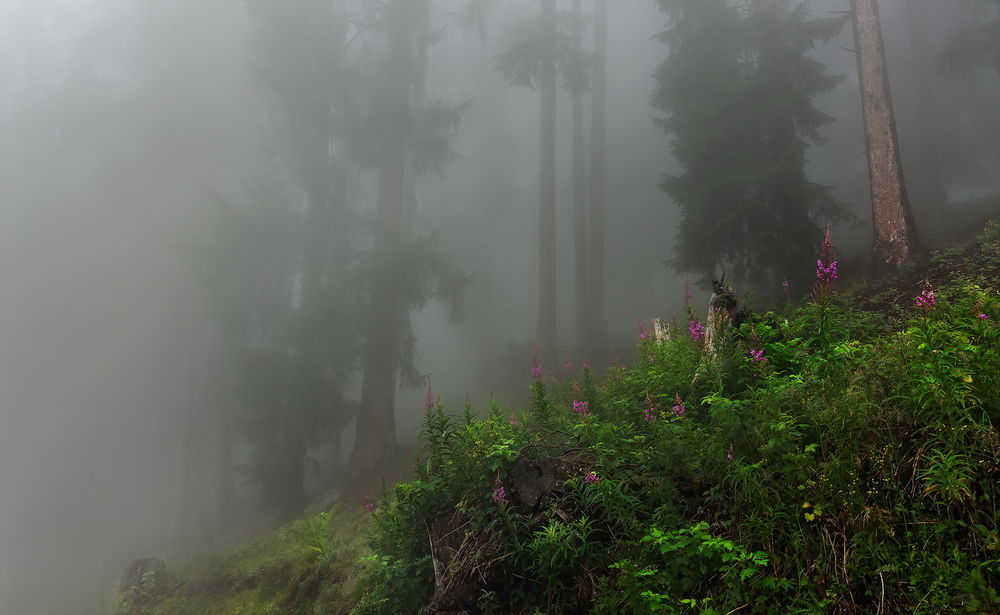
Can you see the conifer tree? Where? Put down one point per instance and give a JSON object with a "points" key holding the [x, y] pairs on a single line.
{"points": [[737, 88]]}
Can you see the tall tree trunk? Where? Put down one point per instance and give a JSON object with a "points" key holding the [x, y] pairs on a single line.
{"points": [[224, 462], [579, 197], [930, 197], [547, 334], [376, 423], [595, 269], [895, 237]]}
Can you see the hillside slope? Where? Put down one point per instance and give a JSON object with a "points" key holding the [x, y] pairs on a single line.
{"points": [[841, 456]]}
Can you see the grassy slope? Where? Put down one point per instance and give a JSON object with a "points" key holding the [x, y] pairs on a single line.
{"points": [[863, 479]]}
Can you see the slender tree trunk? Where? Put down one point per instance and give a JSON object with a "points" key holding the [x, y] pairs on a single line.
{"points": [[376, 424], [547, 334], [929, 195], [224, 462], [598, 129], [895, 237], [579, 198]]}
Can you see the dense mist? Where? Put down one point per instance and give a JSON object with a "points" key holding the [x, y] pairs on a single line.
{"points": [[193, 202]]}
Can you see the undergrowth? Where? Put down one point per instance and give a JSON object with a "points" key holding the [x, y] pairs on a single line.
{"points": [[823, 459], [837, 456]]}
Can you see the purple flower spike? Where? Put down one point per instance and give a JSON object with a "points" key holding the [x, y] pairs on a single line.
{"points": [[729, 453], [580, 407], [499, 493], [757, 355], [536, 369], [826, 273], [926, 299], [429, 400], [592, 478], [679, 408], [369, 505], [697, 330], [982, 317], [643, 334]]}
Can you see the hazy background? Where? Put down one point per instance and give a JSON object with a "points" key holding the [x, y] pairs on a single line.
{"points": [[119, 123]]}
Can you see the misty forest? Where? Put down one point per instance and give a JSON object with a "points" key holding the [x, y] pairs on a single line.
{"points": [[540, 307]]}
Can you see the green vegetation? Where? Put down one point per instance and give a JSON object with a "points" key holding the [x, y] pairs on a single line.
{"points": [[837, 456], [825, 462], [305, 567]]}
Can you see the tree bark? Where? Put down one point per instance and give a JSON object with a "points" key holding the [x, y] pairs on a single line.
{"points": [[895, 237], [579, 197], [595, 269], [546, 338]]}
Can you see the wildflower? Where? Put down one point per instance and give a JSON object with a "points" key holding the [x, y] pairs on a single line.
{"points": [[697, 330], [729, 453], [826, 273], [679, 408], [568, 367], [643, 334], [982, 317], [536, 369], [514, 422], [785, 284], [369, 505], [592, 478], [429, 400], [499, 493], [650, 412], [580, 407], [926, 299], [757, 355], [687, 293]]}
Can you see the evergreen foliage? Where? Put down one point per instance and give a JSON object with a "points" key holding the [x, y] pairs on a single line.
{"points": [[737, 89]]}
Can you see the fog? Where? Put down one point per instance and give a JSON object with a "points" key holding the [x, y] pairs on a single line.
{"points": [[126, 127]]}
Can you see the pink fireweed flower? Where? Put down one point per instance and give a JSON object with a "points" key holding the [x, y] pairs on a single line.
{"points": [[729, 453], [429, 399], [757, 355], [696, 330], [643, 334], [826, 273], [926, 299], [982, 317], [536, 369], [649, 414], [369, 505], [785, 284], [580, 407], [499, 493], [679, 408], [592, 478], [568, 367]]}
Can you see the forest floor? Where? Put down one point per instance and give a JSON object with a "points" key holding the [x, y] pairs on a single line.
{"points": [[853, 470]]}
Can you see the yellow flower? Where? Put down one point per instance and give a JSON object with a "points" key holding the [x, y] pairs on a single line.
{"points": [[810, 516], [966, 378], [806, 505]]}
